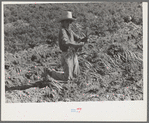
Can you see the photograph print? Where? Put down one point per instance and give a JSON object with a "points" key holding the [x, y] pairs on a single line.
{"points": [[73, 52]]}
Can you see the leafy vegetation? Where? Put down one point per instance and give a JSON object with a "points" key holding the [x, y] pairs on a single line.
{"points": [[111, 62]]}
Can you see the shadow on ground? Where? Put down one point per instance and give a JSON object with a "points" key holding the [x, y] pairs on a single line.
{"points": [[39, 84]]}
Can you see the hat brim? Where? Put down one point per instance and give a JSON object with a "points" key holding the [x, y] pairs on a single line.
{"points": [[72, 19]]}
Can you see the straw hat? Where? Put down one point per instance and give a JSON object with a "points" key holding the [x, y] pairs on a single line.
{"points": [[66, 15]]}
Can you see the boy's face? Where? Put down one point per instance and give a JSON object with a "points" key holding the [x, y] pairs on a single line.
{"points": [[66, 23]]}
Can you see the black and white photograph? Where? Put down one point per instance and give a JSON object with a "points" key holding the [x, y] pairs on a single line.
{"points": [[73, 52]]}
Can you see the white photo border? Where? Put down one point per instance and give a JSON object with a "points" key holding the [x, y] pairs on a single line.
{"points": [[91, 111]]}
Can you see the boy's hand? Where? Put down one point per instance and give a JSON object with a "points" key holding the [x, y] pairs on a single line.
{"points": [[84, 40], [81, 44]]}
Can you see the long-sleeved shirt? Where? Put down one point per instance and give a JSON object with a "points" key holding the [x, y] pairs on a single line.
{"points": [[67, 38]]}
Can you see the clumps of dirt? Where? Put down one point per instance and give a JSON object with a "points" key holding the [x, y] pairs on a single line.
{"points": [[11, 27], [21, 67]]}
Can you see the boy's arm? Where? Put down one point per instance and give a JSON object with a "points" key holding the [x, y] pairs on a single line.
{"points": [[65, 40], [78, 38]]}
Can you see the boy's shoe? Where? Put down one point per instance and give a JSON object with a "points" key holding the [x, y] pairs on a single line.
{"points": [[47, 72]]}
